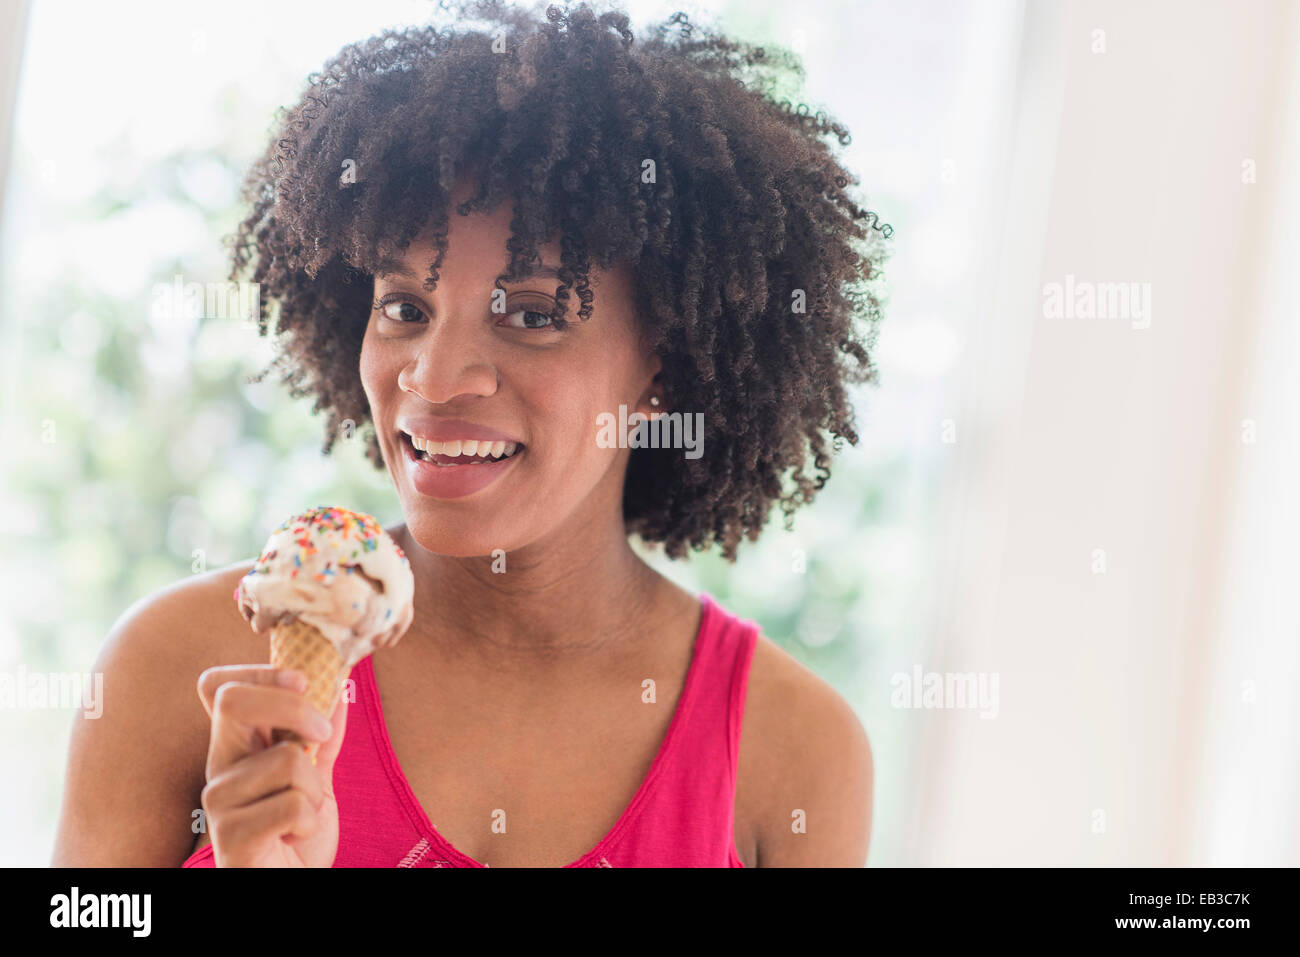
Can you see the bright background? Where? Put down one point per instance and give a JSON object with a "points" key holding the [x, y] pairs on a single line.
{"points": [[1147, 713]]}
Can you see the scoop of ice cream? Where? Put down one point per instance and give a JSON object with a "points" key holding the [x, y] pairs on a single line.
{"points": [[337, 570]]}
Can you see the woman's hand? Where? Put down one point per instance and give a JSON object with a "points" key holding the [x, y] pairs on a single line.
{"points": [[266, 804]]}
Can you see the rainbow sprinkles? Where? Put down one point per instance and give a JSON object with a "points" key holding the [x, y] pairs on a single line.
{"points": [[337, 570]]}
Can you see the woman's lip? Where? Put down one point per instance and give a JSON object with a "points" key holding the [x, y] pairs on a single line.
{"points": [[453, 481]]}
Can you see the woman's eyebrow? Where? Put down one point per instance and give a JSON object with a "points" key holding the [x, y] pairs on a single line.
{"points": [[393, 267]]}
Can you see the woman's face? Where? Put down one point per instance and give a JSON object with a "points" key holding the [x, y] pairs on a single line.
{"points": [[445, 365]]}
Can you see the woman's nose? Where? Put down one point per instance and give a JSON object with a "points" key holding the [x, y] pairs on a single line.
{"points": [[451, 360]]}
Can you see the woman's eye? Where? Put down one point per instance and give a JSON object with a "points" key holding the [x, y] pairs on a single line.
{"points": [[532, 319], [400, 310], [404, 311]]}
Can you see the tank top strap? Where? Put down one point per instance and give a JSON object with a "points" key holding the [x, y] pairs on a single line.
{"points": [[713, 728], [688, 818]]}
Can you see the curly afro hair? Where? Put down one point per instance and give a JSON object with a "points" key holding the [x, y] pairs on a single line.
{"points": [[754, 269]]}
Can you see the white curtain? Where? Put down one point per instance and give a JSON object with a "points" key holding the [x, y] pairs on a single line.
{"points": [[1119, 528]]}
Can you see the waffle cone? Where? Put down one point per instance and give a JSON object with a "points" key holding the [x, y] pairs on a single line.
{"points": [[298, 645]]}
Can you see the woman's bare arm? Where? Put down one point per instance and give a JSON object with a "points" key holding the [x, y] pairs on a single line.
{"points": [[135, 773]]}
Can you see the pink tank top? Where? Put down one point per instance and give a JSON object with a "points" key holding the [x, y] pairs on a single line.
{"points": [[681, 816]]}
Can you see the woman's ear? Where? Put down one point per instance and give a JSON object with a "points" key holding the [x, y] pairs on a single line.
{"points": [[654, 401]]}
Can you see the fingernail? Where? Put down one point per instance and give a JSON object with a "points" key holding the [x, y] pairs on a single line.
{"points": [[321, 726], [292, 679]]}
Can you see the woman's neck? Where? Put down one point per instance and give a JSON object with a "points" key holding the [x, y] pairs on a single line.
{"points": [[557, 599]]}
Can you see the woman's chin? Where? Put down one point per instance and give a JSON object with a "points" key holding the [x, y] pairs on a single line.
{"points": [[432, 534]]}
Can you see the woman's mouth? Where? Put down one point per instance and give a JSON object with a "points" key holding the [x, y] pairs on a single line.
{"points": [[461, 452], [456, 468]]}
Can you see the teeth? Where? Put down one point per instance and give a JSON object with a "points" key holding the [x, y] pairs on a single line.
{"points": [[465, 447]]}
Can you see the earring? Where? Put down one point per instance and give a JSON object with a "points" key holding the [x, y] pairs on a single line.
{"points": [[654, 400]]}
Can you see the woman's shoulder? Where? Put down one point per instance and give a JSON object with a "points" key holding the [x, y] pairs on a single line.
{"points": [[194, 618], [158, 647], [156, 650], [804, 756]]}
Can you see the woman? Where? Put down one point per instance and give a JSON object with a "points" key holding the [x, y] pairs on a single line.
{"points": [[557, 701]]}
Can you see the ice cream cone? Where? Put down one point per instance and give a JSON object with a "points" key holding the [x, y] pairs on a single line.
{"points": [[296, 644], [330, 587]]}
